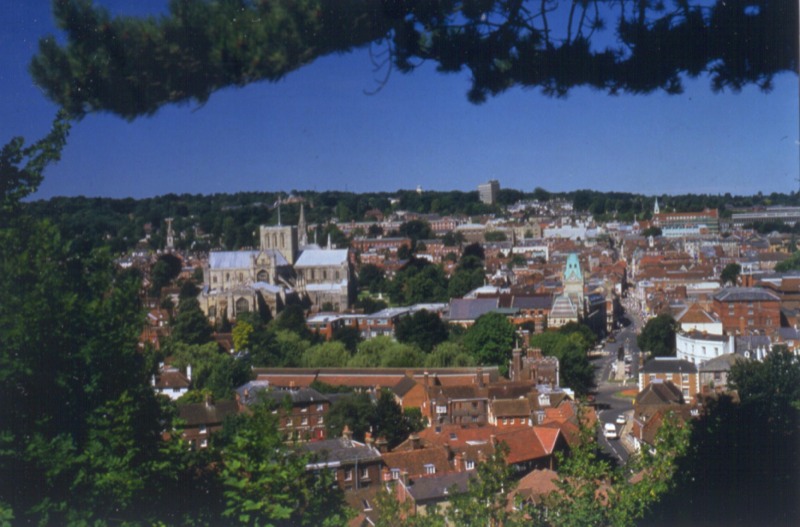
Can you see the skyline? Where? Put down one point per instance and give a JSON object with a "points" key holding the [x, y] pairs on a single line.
{"points": [[317, 130]]}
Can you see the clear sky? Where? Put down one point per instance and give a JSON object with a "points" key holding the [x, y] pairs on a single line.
{"points": [[318, 130]]}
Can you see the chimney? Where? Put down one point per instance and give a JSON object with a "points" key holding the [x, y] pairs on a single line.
{"points": [[404, 477], [209, 400], [386, 474], [368, 439], [458, 461], [516, 364], [382, 445], [347, 433], [415, 443], [479, 377]]}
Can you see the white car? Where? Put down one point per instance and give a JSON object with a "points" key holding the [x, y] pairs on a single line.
{"points": [[610, 431], [621, 419]]}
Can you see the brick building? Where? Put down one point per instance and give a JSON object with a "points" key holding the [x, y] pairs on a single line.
{"points": [[745, 310]]}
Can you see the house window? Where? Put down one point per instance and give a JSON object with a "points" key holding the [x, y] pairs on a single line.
{"points": [[430, 468], [512, 420], [320, 408], [395, 473], [685, 378], [304, 421], [749, 321], [505, 421], [304, 409], [320, 420], [470, 465], [365, 473], [203, 429], [204, 443], [348, 474], [289, 422], [441, 409], [367, 506]]}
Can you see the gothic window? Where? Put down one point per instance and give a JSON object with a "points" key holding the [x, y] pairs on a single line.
{"points": [[324, 274], [262, 276], [212, 311], [242, 306]]}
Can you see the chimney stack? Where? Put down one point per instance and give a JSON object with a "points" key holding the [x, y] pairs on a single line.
{"points": [[415, 443], [516, 364]]}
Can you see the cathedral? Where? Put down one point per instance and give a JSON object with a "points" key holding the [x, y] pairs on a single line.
{"points": [[285, 269]]}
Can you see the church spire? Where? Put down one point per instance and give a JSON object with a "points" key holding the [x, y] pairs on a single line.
{"points": [[656, 209], [301, 227]]}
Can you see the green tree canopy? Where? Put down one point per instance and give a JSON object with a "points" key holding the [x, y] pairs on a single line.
{"points": [[266, 482], [570, 348], [191, 325], [423, 329], [385, 352], [490, 340], [730, 274], [326, 355], [449, 355], [133, 66], [658, 336]]}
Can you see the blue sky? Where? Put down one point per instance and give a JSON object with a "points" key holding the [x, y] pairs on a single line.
{"points": [[317, 130]]}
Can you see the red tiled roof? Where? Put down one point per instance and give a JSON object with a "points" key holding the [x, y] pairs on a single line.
{"points": [[414, 461]]}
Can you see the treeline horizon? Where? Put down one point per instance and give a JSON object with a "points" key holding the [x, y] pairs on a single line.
{"points": [[231, 221]]}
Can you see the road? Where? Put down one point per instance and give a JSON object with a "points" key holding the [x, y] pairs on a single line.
{"points": [[609, 407]]}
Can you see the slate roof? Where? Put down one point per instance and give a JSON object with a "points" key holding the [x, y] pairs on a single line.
{"points": [[255, 391], [196, 414], [668, 365], [327, 286], [240, 259], [471, 308], [438, 487], [343, 451], [322, 258], [721, 363], [746, 294]]}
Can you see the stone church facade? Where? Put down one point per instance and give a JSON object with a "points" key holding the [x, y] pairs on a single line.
{"points": [[285, 269]]}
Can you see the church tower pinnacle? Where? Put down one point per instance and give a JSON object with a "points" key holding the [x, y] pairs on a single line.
{"points": [[301, 227]]}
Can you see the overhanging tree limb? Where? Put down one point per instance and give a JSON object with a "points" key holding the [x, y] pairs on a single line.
{"points": [[133, 66]]}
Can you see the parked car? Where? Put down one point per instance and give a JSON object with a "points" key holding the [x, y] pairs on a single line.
{"points": [[621, 419], [610, 431]]}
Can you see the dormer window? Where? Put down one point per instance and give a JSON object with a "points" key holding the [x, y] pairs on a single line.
{"points": [[430, 468]]}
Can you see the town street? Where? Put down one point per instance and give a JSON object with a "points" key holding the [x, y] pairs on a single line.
{"points": [[609, 406]]}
